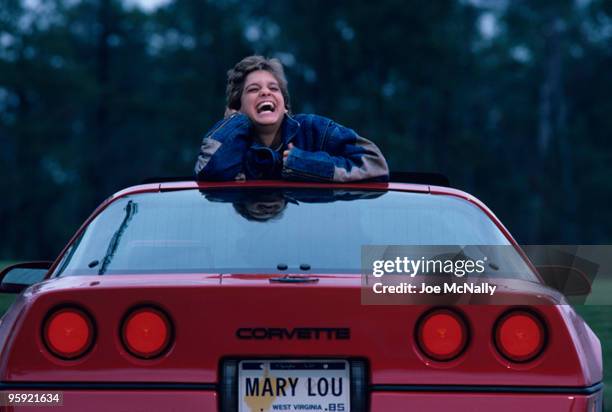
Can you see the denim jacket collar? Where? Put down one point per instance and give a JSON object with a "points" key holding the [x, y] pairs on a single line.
{"points": [[290, 128]]}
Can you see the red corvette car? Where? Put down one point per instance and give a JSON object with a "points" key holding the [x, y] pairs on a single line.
{"points": [[245, 296]]}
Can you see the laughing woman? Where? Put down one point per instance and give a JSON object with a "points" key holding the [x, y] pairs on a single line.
{"points": [[260, 139]]}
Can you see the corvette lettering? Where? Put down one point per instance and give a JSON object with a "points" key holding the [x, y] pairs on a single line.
{"points": [[261, 333]]}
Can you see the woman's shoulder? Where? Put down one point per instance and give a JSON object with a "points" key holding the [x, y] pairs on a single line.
{"points": [[312, 120], [309, 116]]}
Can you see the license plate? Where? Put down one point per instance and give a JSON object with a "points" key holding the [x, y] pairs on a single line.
{"points": [[294, 385]]}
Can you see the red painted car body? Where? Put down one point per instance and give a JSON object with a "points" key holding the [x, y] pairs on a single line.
{"points": [[207, 310]]}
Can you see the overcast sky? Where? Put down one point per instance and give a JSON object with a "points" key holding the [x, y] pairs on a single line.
{"points": [[147, 4]]}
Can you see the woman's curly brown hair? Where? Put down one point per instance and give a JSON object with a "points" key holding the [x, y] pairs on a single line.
{"points": [[237, 75]]}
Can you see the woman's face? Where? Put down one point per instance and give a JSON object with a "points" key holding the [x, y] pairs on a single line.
{"points": [[266, 209], [262, 99]]}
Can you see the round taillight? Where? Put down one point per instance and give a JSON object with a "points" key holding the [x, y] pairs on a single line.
{"points": [[146, 332], [442, 334], [68, 333], [520, 336]]}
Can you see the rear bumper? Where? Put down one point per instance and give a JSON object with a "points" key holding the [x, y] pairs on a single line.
{"points": [[498, 402], [388, 401]]}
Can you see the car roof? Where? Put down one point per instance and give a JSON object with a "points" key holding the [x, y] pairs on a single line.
{"points": [[282, 184]]}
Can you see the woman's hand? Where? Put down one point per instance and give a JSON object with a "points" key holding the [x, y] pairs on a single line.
{"points": [[286, 152], [229, 112]]}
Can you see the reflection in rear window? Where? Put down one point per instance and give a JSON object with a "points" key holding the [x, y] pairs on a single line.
{"points": [[261, 230]]}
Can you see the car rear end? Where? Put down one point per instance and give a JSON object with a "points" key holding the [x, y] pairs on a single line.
{"points": [[180, 342], [225, 298]]}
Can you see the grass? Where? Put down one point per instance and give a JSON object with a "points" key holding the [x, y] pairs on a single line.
{"points": [[6, 299], [598, 317]]}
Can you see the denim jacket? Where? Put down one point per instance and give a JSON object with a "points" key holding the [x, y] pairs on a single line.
{"points": [[323, 151]]}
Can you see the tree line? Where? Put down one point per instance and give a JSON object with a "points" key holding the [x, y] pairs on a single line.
{"points": [[509, 99]]}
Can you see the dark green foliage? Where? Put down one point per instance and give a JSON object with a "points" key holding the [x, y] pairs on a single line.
{"points": [[95, 96]]}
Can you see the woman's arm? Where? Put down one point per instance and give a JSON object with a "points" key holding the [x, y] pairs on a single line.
{"points": [[223, 149], [344, 156]]}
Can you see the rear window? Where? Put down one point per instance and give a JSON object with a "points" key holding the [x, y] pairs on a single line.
{"points": [[263, 231]]}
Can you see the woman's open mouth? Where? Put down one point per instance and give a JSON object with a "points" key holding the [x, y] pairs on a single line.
{"points": [[266, 107]]}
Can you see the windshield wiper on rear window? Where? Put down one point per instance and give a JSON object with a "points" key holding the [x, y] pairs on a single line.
{"points": [[130, 210]]}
